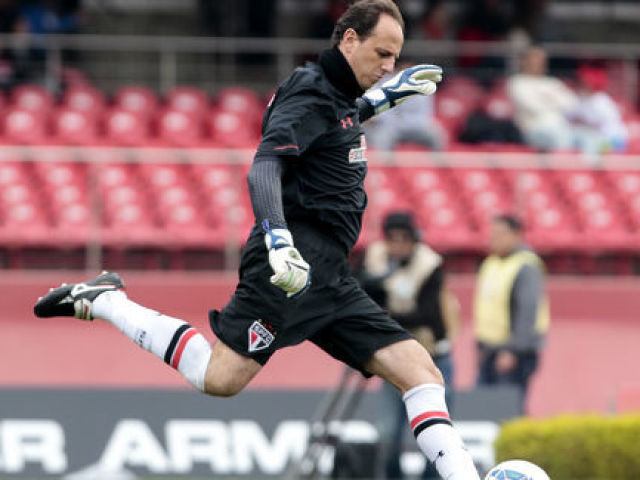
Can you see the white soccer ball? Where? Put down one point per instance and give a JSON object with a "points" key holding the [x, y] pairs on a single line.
{"points": [[516, 470]]}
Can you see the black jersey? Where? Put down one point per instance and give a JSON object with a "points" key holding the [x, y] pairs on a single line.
{"points": [[312, 124]]}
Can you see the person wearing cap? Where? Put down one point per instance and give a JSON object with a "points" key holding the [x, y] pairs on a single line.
{"points": [[406, 277], [596, 118]]}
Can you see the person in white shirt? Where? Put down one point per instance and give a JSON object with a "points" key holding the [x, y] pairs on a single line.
{"points": [[596, 118], [542, 104]]}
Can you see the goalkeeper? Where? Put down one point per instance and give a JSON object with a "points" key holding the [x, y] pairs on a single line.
{"points": [[307, 190]]}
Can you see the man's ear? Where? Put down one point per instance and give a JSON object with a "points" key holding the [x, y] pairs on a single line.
{"points": [[350, 40]]}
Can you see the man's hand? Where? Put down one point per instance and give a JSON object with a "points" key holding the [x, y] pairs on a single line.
{"points": [[505, 361], [416, 80], [290, 272]]}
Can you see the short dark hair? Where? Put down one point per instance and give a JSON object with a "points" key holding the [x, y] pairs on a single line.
{"points": [[363, 17], [511, 221], [400, 220]]}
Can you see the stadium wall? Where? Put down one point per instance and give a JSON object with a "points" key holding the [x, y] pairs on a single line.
{"points": [[592, 342]]}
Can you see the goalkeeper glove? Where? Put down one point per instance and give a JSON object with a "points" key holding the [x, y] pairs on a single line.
{"points": [[416, 80], [290, 272]]}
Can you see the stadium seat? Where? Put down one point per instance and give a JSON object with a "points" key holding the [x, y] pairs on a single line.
{"points": [[190, 100], [465, 87], [240, 100], [74, 127], [229, 129], [137, 99], [24, 224], [179, 129], [21, 126], [452, 109], [125, 128], [127, 216], [498, 106], [32, 97], [84, 98], [484, 190]]}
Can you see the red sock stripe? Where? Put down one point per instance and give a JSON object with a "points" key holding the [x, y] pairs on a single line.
{"points": [[426, 416], [175, 361]]}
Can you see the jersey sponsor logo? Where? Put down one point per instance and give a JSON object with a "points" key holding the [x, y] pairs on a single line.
{"points": [[259, 337], [359, 154]]}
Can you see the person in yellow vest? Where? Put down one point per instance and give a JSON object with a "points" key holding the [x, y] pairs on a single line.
{"points": [[511, 309], [405, 276]]}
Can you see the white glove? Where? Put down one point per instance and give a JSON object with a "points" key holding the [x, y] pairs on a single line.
{"points": [[416, 80], [290, 272]]}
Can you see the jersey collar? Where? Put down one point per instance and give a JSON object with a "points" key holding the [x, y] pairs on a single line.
{"points": [[339, 72]]}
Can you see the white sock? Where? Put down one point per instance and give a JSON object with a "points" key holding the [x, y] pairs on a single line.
{"points": [[174, 341], [438, 440]]}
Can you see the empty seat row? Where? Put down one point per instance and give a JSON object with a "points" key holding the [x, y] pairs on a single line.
{"points": [[168, 203]]}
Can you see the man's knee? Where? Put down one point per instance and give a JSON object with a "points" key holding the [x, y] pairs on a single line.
{"points": [[223, 388], [406, 365], [228, 372]]}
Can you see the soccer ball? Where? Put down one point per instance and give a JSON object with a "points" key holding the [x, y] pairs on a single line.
{"points": [[516, 470]]}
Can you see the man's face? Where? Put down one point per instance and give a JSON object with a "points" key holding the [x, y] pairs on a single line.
{"points": [[372, 58], [502, 240], [535, 62], [400, 244]]}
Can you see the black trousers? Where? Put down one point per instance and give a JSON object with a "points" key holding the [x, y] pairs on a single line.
{"points": [[520, 376]]}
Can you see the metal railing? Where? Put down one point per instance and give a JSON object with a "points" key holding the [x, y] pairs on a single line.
{"points": [[213, 61]]}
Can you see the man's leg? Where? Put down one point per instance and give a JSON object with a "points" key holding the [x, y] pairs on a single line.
{"points": [[219, 371], [408, 366]]}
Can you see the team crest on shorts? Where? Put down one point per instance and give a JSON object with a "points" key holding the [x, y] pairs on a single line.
{"points": [[259, 337]]}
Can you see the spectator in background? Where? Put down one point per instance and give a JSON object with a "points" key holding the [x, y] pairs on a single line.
{"points": [[13, 64], [405, 276], [413, 122], [542, 104], [511, 311], [437, 21], [596, 118]]}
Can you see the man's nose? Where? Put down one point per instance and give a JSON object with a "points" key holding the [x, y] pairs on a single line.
{"points": [[388, 65]]}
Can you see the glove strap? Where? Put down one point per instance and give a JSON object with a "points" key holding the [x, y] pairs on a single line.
{"points": [[276, 238]]}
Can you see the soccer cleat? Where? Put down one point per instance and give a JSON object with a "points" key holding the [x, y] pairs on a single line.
{"points": [[75, 300]]}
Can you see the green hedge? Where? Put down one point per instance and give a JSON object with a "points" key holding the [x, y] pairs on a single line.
{"points": [[576, 447]]}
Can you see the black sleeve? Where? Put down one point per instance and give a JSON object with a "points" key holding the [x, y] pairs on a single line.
{"points": [[365, 110], [428, 311], [294, 121], [265, 190]]}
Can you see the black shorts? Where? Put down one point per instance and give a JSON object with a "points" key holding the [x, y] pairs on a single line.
{"points": [[335, 313]]}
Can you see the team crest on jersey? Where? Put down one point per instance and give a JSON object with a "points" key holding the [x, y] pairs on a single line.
{"points": [[359, 154], [259, 337]]}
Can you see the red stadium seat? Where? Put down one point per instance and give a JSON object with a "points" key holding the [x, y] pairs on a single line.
{"points": [[603, 222], [231, 130], [239, 100], [462, 86], [32, 97], [125, 128], [84, 98], [484, 190], [498, 106], [179, 129], [22, 126], [452, 109], [137, 99], [73, 127], [23, 224], [188, 99]]}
